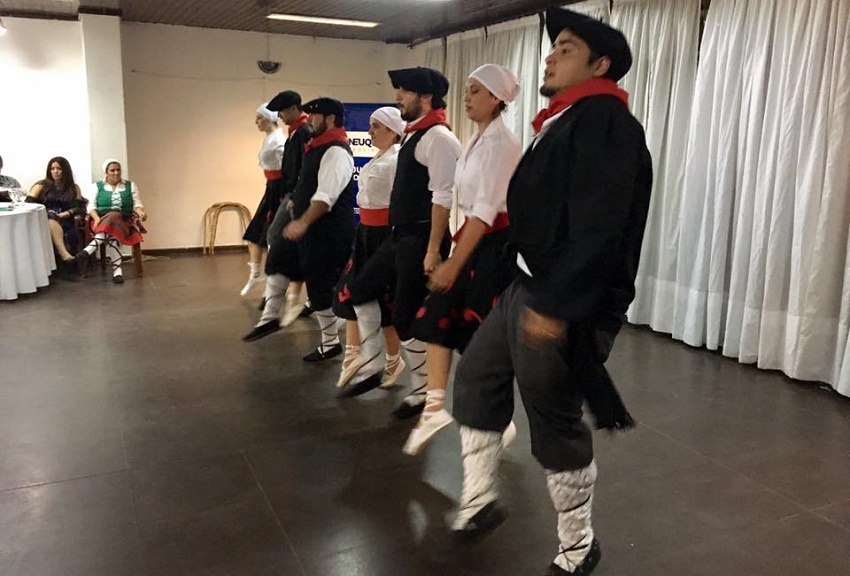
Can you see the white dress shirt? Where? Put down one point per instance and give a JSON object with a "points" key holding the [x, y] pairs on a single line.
{"points": [[91, 195], [335, 172], [375, 183], [484, 171], [438, 150], [271, 153]]}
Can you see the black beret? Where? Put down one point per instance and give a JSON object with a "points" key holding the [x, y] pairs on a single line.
{"points": [[420, 80], [326, 106], [284, 100], [600, 37]]}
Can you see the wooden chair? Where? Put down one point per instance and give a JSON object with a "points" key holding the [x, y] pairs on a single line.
{"points": [[211, 221]]}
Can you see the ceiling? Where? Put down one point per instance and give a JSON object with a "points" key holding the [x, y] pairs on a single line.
{"points": [[402, 21]]}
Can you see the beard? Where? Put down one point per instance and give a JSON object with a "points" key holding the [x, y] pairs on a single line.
{"points": [[412, 112], [548, 91], [318, 131]]}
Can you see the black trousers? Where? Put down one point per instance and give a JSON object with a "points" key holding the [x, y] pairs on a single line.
{"points": [[316, 259], [396, 266], [484, 385]]}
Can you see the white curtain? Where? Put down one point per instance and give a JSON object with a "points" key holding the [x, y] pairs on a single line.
{"points": [[763, 268], [516, 46], [435, 54], [664, 38], [464, 53]]}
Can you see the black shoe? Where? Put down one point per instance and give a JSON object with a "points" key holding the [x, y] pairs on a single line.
{"points": [[586, 567], [485, 521], [118, 279], [405, 410], [262, 330], [370, 383], [262, 305], [307, 311], [83, 259], [318, 356]]}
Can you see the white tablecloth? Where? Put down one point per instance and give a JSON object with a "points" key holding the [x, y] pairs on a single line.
{"points": [[26, 251]]}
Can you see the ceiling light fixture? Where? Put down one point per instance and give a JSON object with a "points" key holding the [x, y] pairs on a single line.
{"points": [[320, 20]]}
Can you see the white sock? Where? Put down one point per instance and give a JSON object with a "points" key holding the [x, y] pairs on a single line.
{"points": [[275, 294], [95, 243], [327, 324], [480, 449], [255, 269], [572, 496], [414, 355], [114, 247], [371, 339], [434, 400]]}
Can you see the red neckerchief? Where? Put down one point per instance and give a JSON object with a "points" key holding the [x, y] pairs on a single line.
{"points": [[580, 91], [333, 135], [297, 124], [433, 117]]}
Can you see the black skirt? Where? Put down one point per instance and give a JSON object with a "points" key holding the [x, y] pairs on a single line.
{"points": [[452, 318], [366, 243], [257, 229]]}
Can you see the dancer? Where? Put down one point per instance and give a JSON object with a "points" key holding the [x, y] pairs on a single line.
{"points": [[577, 204], [464, 287], [420, 205], [375, 184], [116, 213], [270, 160], [317, 242], [287, 104]]}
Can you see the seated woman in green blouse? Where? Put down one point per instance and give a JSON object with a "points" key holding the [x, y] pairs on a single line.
{"points": [[116, 212]]}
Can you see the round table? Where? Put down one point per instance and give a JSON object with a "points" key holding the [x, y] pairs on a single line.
{"points": [[26, 251]]}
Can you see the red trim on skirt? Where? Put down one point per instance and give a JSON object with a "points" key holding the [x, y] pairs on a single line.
{"points": [[127, 230]]}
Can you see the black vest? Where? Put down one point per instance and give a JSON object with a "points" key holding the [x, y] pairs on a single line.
{"points": [[410, 201], [308, 182]]}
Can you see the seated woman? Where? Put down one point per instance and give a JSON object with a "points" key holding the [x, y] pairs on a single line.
{"points": [[116, 215], [62, 197]]}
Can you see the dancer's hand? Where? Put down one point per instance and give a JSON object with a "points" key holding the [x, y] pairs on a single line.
{"points": [[443, 277], [432, 259], [294, 230], [538, 330]]}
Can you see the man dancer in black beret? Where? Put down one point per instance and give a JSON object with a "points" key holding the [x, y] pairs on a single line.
{"points": [[420, 204], [318, 240], [577, 204]]}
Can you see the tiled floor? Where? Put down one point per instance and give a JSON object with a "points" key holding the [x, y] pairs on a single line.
{"points": [[140, 436]]}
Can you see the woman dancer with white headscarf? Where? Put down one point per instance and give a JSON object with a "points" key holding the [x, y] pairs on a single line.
{"points": [[270, 160], [465, 287], [374, 184]]}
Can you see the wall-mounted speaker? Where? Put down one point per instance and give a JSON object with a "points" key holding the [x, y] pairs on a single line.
{"points": [[268, 66]]}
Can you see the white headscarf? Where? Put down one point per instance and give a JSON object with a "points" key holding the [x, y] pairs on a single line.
{"points": [[267, 114], [390, 116], [109, 161], [500, 81]]}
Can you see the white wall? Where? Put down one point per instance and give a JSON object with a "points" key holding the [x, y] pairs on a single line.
{"points": [[43, 100], [190, 100], [105, 80]]}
